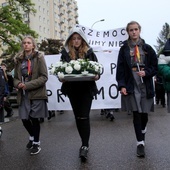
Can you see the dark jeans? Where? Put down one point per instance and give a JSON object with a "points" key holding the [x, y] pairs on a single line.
{"points": [[7, 106], [140, 121], [81, 104]]}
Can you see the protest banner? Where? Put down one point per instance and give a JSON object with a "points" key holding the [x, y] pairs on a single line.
{"points": [[106, 45]]}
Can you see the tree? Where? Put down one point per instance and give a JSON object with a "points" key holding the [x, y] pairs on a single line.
{"points": [[12, 27], [50, 46], [163, 37]]}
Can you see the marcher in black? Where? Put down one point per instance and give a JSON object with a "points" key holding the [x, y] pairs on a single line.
{"points": [[137, 65], [80, 93], [160, 91]]}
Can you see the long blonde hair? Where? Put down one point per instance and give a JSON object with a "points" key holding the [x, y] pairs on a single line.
{"points": [[82, 50]]}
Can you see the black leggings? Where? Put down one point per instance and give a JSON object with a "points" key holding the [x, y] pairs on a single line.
{"points": [[32, 125], [81, 104], [140, 121]]}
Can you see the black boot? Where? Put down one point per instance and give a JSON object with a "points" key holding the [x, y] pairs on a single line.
{"points": [[9, 114]]}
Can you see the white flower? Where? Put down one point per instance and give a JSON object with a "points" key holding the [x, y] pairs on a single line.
{"points": [[52, 70], [59, 63], [68, 69], [84, 72], [77, 66], [60, 75], [64, 65], [96, 68]]}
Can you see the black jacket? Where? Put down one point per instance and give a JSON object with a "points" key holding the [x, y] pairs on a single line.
{"points": [[124, 74]]}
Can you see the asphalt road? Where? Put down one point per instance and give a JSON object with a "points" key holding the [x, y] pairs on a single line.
{"points": [[112, 144]]}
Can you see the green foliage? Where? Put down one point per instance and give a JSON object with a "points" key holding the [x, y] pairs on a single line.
{"points": [[163, 37], [50, 46], [12, 27]]}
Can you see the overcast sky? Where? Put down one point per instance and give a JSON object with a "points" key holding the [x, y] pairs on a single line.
{"points": [[151, 15]]}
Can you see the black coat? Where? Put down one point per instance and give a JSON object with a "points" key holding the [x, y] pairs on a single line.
{"points": [[79, 86], [124, 74]]}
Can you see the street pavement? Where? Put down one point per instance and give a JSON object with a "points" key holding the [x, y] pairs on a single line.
{"points": [[112, 143]]}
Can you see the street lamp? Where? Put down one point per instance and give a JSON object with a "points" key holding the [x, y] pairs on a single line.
{"points": [[96, 22]]}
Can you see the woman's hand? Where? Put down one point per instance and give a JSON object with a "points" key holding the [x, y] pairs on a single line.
{"points": [[123, 91], [141, 73], [22, 86], [96, 77], [61, 80]]}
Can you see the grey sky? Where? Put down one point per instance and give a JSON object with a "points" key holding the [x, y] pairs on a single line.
{"points": [[151, 14]]}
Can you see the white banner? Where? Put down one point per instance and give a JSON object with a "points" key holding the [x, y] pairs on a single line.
{"points": [[107, 85], [107, 40], [106, 45]]}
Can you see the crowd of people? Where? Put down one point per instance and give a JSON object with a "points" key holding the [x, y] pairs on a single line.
{"points": [[137, 65]]}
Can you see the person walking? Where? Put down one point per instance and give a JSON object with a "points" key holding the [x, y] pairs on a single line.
{"points": [[2, 94], [80, 93], [136, 67], [164, 70], [30, 77], [8, 88], [159, 90]]}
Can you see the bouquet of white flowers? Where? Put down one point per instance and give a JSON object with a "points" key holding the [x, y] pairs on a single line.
{"points": [[76, 67]]}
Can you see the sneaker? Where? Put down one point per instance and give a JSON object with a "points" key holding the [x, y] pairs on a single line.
{"points": [[83, 152], [140, 150], [29, 144], [35, 149]]}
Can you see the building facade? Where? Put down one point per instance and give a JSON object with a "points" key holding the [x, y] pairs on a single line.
{"points": [[53, 18]]}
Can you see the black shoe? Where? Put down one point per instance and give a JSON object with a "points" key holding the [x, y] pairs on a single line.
{"points": [[9, 114], [51, 114], [35, 149], [29, 144], [140, 150], [41, 120], [83, 153], [163, 105]]}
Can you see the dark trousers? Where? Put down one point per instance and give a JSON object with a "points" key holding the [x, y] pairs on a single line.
{"points": [[140, 121], [81, 105], [32, 125], [1, 114], [160, 94], [7, 106]]}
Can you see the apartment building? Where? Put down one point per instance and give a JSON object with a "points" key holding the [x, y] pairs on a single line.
{"points": [[53, 18]]}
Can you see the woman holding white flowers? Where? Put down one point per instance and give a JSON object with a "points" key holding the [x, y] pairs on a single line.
{"points": [[80, 93]]}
